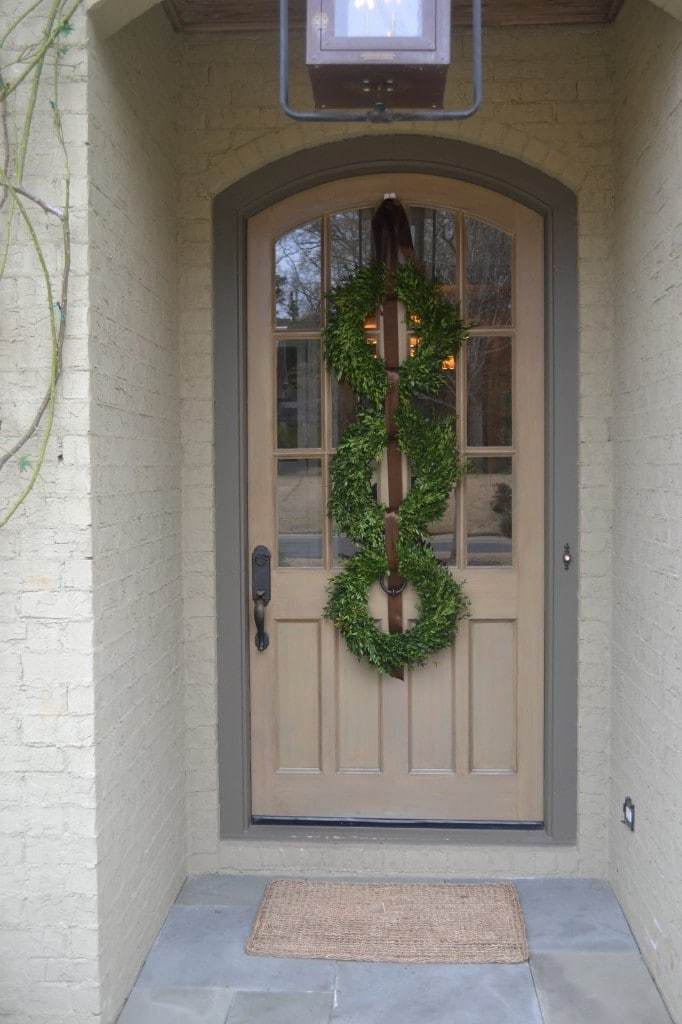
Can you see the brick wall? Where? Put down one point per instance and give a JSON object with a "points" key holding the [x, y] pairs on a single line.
{"points": [[136, 500], [548, 102], [48, 892], [647, 594]]}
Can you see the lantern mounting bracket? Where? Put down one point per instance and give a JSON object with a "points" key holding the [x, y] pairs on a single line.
{"points": [[379, 113]]}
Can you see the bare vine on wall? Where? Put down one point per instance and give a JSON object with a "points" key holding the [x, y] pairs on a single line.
{"points": [[28, 73]]}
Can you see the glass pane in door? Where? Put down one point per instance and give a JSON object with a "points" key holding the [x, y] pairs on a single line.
{"points": [[488, 274], [443, 532], [488, 510], [489, 392], [299, 512], [298, 278], [350, 243], [434, 235], [298, 394]]}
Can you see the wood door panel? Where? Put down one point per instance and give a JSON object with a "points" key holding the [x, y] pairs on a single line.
{"points": [[419, 796], [461, 738], [298, 685], [493, 674], [357, 712], [431, 722]]}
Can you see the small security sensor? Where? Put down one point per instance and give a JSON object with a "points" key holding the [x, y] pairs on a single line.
{"points": [[629, 814]]}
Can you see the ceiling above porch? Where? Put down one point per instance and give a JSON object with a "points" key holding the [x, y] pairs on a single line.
{"points": [[234, 15]]}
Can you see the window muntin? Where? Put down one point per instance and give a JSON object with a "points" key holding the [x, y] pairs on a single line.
{"points": [[473, 263]]}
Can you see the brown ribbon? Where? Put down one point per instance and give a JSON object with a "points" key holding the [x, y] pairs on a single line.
{"points": [[394, 464], [392, 245], [392, 235]]}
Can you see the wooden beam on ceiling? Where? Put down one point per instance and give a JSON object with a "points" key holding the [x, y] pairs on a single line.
{"points": [[235, 16]]}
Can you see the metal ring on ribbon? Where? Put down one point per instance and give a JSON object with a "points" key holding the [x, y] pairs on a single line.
{"points": [[392, 591]]}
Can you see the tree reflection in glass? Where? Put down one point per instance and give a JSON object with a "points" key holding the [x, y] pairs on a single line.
{"points": [[350, 243], [488, 278], [298, 278], [489, 401], [434, 234]]}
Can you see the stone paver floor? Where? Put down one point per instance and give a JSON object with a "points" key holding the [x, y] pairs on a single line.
{"points": [[584, 969]]}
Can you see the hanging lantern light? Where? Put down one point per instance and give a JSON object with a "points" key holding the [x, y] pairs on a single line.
{"points": [[388, 59], [366, 52]]}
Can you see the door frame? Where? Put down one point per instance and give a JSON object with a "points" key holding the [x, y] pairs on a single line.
{"points": [[231, 211]]}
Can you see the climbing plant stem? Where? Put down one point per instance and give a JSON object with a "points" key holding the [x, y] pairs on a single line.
{"points": [[14, 194]]}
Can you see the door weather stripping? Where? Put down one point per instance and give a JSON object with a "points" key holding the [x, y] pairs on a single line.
{"points": [[379, 114], [412, 823]]}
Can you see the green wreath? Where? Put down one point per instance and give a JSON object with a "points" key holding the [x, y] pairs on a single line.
{"points": [[429, 443]]}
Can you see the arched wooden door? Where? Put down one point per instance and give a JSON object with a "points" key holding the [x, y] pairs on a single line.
{"points": [[461, 739]]}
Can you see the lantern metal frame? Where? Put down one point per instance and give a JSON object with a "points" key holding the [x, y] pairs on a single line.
{"points": [[379, 113]]}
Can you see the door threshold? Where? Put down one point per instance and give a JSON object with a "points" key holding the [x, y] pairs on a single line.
{"points": [[515, 826]]}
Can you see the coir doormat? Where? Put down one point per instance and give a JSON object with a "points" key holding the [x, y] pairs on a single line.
{"points": [[395, 923]]}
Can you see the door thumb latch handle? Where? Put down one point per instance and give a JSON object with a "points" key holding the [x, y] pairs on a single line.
{"points": [[262, 638], [260, 593]]}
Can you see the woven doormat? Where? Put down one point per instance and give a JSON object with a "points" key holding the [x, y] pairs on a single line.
{"points": [[396, 923]]}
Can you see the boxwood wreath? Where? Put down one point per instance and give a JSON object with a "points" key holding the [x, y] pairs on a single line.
{"points": [[429, 443]]}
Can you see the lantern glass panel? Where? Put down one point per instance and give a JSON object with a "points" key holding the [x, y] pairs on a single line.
{"points": [[378, 19]]}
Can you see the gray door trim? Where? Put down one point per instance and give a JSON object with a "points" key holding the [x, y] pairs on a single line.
{"points": [[232, 209]]}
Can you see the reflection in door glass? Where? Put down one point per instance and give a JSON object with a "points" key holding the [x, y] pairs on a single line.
{"points": [[489, 403], [445, 402], [344, 409], [434, 234], [350, 243], [443, 532], [298, 276], [298, 394], [343, 547], [488, 275], [488, 511], [299, 512]]}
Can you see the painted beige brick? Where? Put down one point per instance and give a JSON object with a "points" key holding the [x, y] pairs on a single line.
{"points": [[646, 762], [47, 819], [136, 506]]}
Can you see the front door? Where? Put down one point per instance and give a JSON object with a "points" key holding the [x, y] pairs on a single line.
{"points": [[461, 738]]}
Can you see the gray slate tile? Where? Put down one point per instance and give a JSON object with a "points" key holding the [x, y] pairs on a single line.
{"points": [[177, 1006], [607, 988], [247, 890], [435, 994], [204, 946], [281, 1008], [222, 890], [573, 915]]}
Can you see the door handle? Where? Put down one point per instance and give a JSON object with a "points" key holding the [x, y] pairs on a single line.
{"points": [[260, 592], [262, 638]]}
